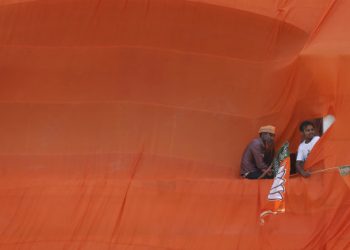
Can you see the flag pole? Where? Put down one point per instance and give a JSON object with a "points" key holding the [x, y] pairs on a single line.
{"points": [[320, 171], [265, 172]]}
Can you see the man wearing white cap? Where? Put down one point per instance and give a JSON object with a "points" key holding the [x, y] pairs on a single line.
{"points": [[258, 155]]}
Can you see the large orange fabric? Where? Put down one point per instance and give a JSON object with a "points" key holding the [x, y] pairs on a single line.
{"points": [[122, 123]]}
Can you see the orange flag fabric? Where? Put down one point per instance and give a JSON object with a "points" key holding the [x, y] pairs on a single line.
{"points": [[122, 123], [277, 194]]}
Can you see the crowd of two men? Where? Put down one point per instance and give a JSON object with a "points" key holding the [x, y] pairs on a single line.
{"points": [[258, 155]]}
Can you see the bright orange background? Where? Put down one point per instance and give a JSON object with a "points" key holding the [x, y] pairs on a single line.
{"points": [[122, 122]]}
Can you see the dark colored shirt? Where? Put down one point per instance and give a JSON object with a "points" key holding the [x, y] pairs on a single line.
{"points": [[253, 157]]}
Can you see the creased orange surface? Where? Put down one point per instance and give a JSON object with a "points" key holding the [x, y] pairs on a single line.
{"points": [[122, 123]]}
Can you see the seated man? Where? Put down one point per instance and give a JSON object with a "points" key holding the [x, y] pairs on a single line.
{"points": [[308, 130], [258, 155]]}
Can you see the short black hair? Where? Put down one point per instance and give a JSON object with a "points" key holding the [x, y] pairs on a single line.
{"points": [[304, 124]]}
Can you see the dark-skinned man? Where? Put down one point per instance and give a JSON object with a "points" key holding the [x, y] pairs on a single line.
{"points": [[258, 155]]}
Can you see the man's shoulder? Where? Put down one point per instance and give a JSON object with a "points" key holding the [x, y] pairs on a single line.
{"points": [[256, 142], [315, 140], [302, 145], [307, 145]]}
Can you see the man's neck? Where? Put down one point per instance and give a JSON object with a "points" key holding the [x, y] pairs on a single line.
{"points": [[308, 140]]}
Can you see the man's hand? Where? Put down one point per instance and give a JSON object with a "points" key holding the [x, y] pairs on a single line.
{"points": [[266, 171], [300, 169], [269, 172], [305, 174]]}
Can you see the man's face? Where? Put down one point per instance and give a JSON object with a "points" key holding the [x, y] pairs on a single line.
{"points": [[268, 138], [309, 132]]}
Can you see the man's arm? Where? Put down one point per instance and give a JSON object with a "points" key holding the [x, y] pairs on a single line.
{"points": [[300, 169], [300, 163], [258, 156]]}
